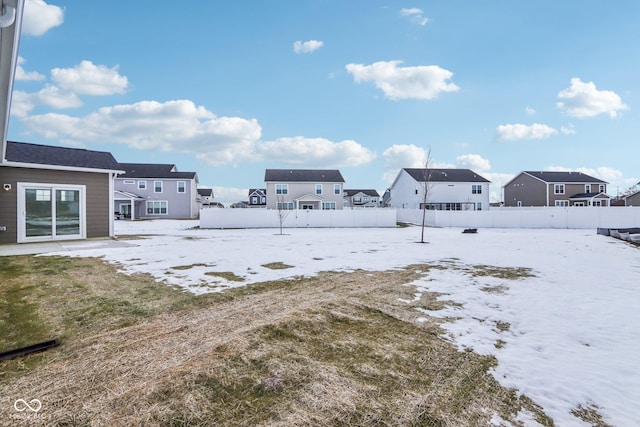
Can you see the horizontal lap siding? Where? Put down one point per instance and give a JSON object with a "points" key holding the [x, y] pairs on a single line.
{"points": [[97, 197]]}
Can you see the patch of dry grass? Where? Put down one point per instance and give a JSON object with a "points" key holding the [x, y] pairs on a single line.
{"points": [[340, 348], [277, 266]]}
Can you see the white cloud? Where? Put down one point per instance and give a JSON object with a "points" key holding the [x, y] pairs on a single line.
{"points": [[39, 17], [421, 82], [319, 152], [474, 162], [567, 130], [307, 47], [23, 75], [181, 126], [519, 131], [401, 156], [89, 79], [530, 111], [227, 195], [416, 15], [584, 100]]}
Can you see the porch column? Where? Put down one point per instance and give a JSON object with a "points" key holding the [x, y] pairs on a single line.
{"points": [[133, 209]]}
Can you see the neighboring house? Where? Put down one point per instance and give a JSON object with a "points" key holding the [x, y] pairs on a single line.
{"points": [[552, 188], [205, 196], [632, 199], [239, 205], [304, 189], [149, 190], [47, 193], [257, 197], [361, 198], [447, 189]]}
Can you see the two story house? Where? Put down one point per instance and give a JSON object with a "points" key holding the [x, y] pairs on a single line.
{"points": [[257, 197], [156, 191], [447, 189], [553, 188], [361, 198], [304, 189]]}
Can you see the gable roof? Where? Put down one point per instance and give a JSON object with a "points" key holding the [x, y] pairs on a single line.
{"points": [[22, 152], [153, 170], [205, 192], [372, 193], [259, 191], [555, 176], [303, 175], [445, 175]]}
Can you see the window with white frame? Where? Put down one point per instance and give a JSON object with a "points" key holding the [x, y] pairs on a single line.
{"points": [[558, 189], [282, 188], [337, 189], [129, 181], [254, 200], [561, 203], [318, 189], [157, 186], [601, 188], [597, 202], [329, 205], [587, 188], [286, 206], [476, 189], [142, 185], [182, 187], [157, 207]]}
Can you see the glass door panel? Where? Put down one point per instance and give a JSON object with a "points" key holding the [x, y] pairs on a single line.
{"points": [[38, 209], [67, 212]]}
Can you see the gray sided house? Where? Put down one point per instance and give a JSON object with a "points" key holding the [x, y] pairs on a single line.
{"points": [[304, 189], [257, 197], [361, 198], [149, 190], [55, 193], [632, 199], [552, 188]]}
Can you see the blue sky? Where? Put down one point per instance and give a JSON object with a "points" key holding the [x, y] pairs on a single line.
{"points": [[230, 88]]}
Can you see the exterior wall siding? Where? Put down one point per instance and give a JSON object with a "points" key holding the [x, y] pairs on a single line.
{"points": [[633, 200], [299, 189], [97, 197], [526, 189], [179, 205]]}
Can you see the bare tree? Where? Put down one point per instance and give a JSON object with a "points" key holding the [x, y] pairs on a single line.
{"points": [[282, 211], [425, 189]]}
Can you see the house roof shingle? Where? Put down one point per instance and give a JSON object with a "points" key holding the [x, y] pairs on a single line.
{"points": [[372, 193], [556, 176], [205, 192], [153, 170], [445, 175], [22, 152], [303, 175]]}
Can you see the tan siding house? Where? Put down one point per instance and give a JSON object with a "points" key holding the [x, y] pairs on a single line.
{"points": [[304, 189]]}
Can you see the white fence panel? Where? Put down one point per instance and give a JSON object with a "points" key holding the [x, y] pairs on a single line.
{"points": [[268, 218]]}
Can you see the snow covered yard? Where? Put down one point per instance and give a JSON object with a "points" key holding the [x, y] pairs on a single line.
{"points": [[561, 318]]}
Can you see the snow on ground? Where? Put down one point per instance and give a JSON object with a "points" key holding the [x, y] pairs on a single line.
{"points": [[566, 337]]}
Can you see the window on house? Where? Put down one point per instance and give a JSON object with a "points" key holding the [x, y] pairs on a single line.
{"points": [[519, 203], [562, 203], [254, 200], [318, 189], [329, 205], [287, 206], [597, 203], [558, 189], [129, 181], [337, 189], [157, 186], [479, 206], [263, 199], [601, 188], [142, 185], [587, 188], [476, 189], [157, 207], [182, 187], [282, 188]]}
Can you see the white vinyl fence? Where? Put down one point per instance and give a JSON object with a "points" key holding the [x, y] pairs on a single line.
{"points": [[547, 217], [269, 218]]}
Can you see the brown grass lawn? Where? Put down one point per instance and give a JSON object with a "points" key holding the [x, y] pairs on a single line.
{"points": [[338, 349]]}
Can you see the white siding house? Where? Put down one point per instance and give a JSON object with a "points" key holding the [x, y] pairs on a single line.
{"points": [[447, 189]]}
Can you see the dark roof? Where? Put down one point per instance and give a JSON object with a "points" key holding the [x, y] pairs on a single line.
{"points": [[586, 195], [372, 193], [23, 152], [445, 175], [205, 192], [153, 170], [259, 190], [554, 176], [303, 175]]}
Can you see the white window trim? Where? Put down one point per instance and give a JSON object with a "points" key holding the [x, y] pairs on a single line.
{"points": [[337, 189], [184, 187], [318, 187], [155, 187], [142, 185], [146, 211], [128, 181], [555, 188], [284, 189], [22, 211], [561, 203]]}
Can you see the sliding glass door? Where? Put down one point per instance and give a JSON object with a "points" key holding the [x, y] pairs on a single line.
{"points": [[50, 212]]}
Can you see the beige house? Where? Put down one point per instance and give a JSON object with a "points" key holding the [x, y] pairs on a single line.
{"points": [[552, 188], [304, 189]]}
